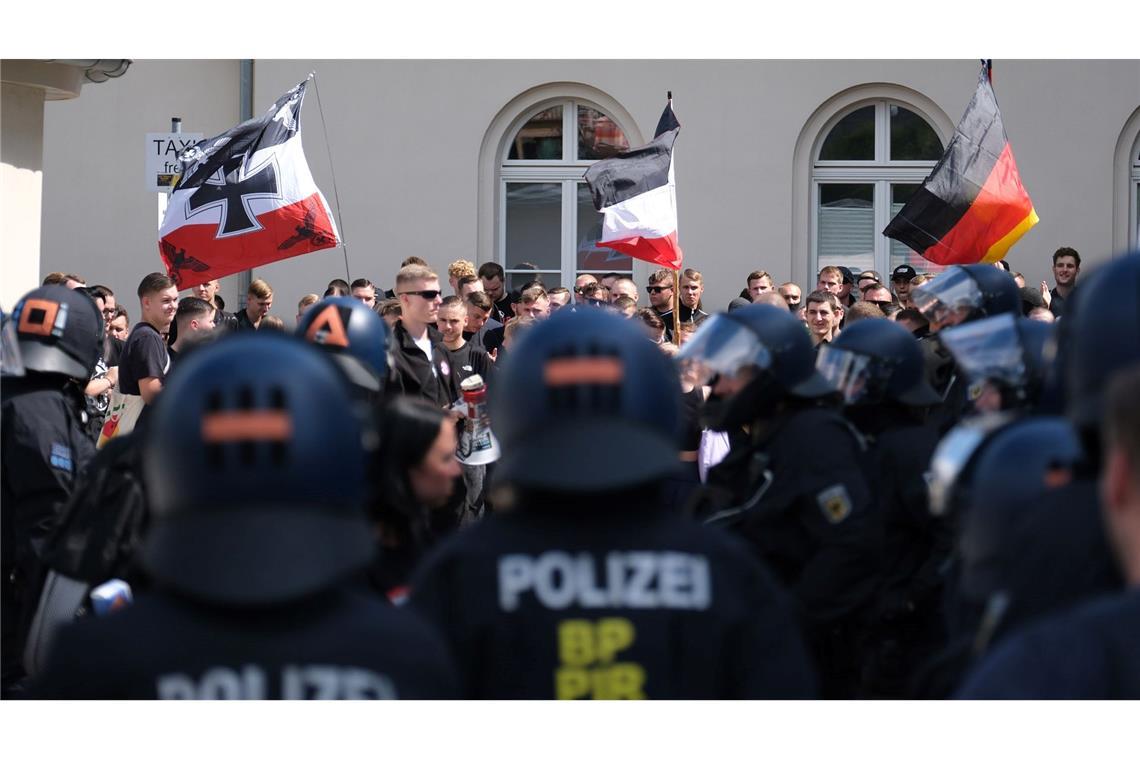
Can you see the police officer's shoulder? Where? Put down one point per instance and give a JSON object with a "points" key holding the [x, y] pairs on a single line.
{"points": [[1085, 653]]}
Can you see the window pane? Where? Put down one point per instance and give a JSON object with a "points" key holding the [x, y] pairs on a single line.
{"points": [[912, 139], [515, 280], [598, 135], [540, 138], [591, 256], [846, 226], [900, 254], [852, 139], [534, 225]]}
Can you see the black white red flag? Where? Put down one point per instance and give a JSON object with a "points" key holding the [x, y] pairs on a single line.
{"points": [[637, 195], [245, 198]]}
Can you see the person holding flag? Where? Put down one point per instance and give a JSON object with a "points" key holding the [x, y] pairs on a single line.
{"points": [[245, 198]]}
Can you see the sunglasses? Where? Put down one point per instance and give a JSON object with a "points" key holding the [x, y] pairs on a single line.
{"points": [[655, 289], [430, 295]]}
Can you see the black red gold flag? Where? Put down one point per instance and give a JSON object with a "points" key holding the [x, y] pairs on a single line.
{"points": [[972, 208]]}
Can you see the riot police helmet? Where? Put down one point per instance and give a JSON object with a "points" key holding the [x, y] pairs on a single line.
{"points": [[1020, 463], [875, 360], [1007, 353], [353, 334], [256, 474], [584, 403], [966, 292], [59, 330], [1101, 337]]}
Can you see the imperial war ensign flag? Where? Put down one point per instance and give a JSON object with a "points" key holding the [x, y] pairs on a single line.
{"points": [[245, 198], [637, 195]]}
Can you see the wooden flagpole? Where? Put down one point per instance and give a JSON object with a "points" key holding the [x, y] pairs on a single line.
{"points": [[676, 277]]}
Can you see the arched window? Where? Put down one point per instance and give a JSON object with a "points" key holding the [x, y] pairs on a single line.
{"points": [[1134, 206], [547, 219], [869, 160]]}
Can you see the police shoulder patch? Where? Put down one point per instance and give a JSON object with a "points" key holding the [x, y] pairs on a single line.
{"points": [[61, 457], [835, 503]]}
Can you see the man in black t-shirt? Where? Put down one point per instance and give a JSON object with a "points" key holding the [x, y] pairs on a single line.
{"points": [[467, 359], [145, 361]]}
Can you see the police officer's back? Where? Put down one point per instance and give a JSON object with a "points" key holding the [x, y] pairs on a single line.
{"points": [[588, 587], [45, 444], [255, 587], [794, 482]]}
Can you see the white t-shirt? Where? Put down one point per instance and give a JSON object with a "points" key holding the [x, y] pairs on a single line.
{"points": [[424, 344]]}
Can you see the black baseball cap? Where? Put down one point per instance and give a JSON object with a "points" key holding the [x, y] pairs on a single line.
{"points": [[903, 272], [848, 276]]}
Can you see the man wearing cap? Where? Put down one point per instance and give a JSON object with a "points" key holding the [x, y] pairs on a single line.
{"points": [[900, 281], [45, 445], [846, 299]]}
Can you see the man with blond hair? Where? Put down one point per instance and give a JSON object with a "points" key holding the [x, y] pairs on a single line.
{"points": [[455, 270], [258, 302], [419, 359]]}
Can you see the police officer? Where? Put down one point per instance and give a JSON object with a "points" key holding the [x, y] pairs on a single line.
{"points": [[958, 295], [793, 484], [1069, 559], [587, 587], [59, 335], [878, 368], [254, 594], [1090, 651], [998, 486]]}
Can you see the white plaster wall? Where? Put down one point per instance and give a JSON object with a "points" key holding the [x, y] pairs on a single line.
{"points": [[405, 138]]}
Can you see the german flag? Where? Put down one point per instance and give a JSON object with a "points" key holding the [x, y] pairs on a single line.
{"points": [[972, 208]]}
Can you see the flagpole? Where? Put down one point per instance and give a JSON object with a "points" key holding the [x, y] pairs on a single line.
{"points": [[336, 195], [676, 273]]}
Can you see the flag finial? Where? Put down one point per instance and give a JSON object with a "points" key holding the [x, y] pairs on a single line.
{"points": [[669, 94]]}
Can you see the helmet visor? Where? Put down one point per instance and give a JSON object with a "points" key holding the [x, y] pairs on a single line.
{"points": [[11, 361], [989, 349], [859, 377], [953, 454], [947, 294], [721, 346]]}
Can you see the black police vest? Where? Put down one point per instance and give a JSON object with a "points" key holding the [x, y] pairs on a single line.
{"points": [[344, 644], [601, 604]]}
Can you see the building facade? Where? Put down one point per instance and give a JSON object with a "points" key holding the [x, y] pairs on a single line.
{"points": [[781, 165]]}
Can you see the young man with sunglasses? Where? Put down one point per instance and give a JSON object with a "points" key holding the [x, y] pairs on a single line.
{"points": [[660, 290], [419, 359]]}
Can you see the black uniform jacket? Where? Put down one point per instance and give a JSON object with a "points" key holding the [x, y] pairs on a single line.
{"points": [[817, 526], [342, 644], [44, 447], [609, 601], [1088, 653], [414, 375]]}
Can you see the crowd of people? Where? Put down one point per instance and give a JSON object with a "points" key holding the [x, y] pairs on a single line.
{"points": [[917, 486]]}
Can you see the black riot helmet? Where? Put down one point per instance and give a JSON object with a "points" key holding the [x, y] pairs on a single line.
{"points": [[764, 343], [964, 293], [59, 330], [256, 474], [354, 334], [584, 403], [875, 360], [1020, 463], [1006, 354], [1100, 338]]}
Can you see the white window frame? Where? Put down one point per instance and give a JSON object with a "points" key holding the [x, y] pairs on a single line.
{"points": [[880, 171], [567, 172], [1134, 199]]}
